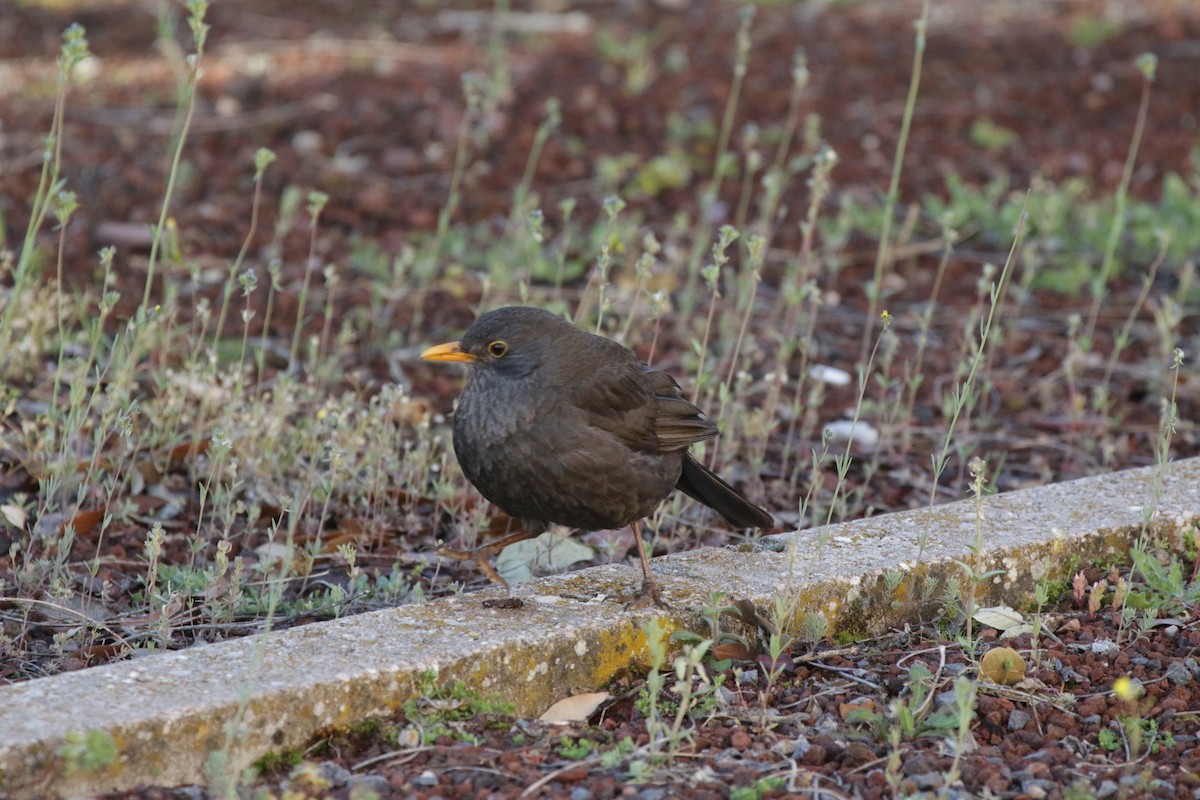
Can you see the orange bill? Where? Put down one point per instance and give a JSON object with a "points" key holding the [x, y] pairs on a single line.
{"points": [[448, 352]]}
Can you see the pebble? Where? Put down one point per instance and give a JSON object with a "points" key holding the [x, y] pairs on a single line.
{"points": [[918, 763], [927, 780], [827, 724], [334, 772], [1038, 789], [1105, 647], [361, 785], [740, 740], [1071, 674], [426, 778], [947, 698], [1178, 673], [1090, 706], [652, 793], [856, 755], [814, 756], [1107, 789], [581, 793], [791, 748], [1018, 719]]}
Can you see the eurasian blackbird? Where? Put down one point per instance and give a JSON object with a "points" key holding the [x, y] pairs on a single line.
{"points": [[557, 425]]}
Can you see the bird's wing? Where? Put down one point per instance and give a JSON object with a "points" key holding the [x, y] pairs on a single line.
{"points": [[642, 407], [677, 422]]}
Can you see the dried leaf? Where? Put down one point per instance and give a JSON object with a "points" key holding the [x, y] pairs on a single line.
{"points": [[14, 514], [1017, 630], [784, 663], [188, 450], [999, 617], [749, 614], [576, 708], [554, 551], [85, 521], [733, 650]]}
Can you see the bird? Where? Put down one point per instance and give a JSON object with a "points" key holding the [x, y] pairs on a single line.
{"points": [[559, 425]]}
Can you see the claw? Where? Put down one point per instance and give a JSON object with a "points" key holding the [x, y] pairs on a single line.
{"points": [[649, 593]]}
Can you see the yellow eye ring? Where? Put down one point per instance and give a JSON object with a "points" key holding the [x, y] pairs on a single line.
{"points": [[498, 348]]}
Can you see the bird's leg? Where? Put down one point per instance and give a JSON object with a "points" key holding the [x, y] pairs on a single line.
{"points": [[650, 592], [481, 554]]}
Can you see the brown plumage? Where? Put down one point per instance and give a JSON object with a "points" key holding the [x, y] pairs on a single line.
{"points": [[557, 425]]}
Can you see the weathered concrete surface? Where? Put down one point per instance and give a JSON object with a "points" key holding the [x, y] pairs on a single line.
{"points": [[168, 713]]}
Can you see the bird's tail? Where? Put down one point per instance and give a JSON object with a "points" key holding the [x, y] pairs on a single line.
{"points": [[700, 483]]}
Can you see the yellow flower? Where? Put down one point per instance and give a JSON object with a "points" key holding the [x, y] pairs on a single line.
{"points": [[1127, 690]]}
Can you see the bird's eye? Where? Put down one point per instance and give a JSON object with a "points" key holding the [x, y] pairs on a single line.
{"points": [[498, 348]]}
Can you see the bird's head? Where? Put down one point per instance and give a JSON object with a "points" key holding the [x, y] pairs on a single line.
{"points": [[511, 342]]}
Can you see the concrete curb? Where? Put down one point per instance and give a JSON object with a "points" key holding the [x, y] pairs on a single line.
{"points": [[167, 713]]}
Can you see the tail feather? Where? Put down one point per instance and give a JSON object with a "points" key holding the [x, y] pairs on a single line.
{"points": [[704, 485]]}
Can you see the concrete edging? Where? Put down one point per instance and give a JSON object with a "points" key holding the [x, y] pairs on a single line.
{"points": [[167, 713]]}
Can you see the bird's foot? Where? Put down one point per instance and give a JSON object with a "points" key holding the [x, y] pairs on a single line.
{"points": [[650, 593]]}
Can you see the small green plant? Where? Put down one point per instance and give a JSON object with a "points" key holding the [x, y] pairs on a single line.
{"points": [[959, 738], [88, 752], [1139, 733], [727, 645], [912, 717], [278, 761], [197, 9], [1144, 731], [1161, 581], [987, 134], [756, 790], [438, 706], [1090, 31], [971, 572], [693, 692], [575, 749], [612, 757]]}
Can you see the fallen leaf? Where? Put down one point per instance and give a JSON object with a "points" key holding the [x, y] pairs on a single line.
{"points": [[551, 550], [189, 449], [999, 617], [85, 521], [782, 664], [734, 650], [576, 708], [1017, 630], [14, 514]]}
